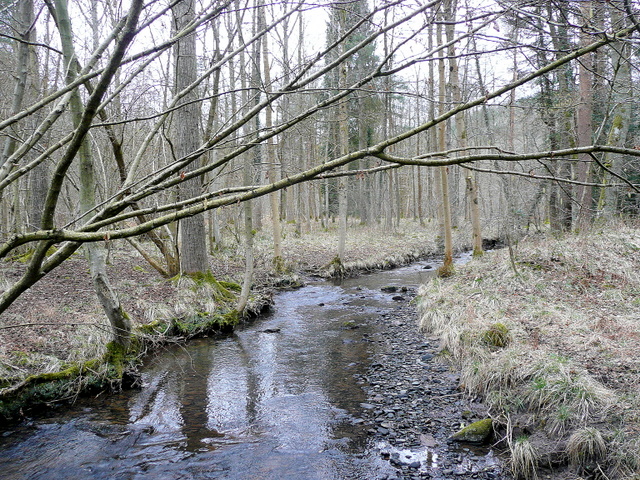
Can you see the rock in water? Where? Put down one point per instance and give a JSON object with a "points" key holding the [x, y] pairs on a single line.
{"points": [[389, 289], [271, 330], [478, 432]]}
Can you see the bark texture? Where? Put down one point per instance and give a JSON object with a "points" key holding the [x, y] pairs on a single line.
{"points": [[193, 252]]}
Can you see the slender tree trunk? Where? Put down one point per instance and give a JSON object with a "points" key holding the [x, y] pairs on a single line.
{"points": [[39, 177], [342, 185], [510, 220], [247, 280], [584, 124], [435, 193], [274, 197], [213, 224], [622, 98], [248, 167], [24, 26], [561, 197], [120, 322], [343, 140], [461, 131], [447, 266]]}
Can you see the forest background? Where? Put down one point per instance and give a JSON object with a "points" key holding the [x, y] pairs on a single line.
{"points": [[179, 120]]}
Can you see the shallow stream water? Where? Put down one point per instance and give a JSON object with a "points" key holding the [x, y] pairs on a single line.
{"points": [[275, 400]]}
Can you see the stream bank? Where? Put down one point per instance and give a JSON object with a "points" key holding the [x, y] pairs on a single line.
{"points": [[59, 326], [414, 403], [334, 383]]}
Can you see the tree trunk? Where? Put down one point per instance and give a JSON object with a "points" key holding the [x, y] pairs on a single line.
{"points": [[584, 124], [24, 27], [39, 178], [119, 320], [274, 197], [343, 140], [247, 171], [561, 195], [447, 266], [622, 97], [461, 131], [193, 243]]}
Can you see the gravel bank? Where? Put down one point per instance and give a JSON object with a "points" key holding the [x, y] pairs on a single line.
{"points": [[414, 406]]}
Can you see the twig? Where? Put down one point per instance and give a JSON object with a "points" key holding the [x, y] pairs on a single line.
{"points": [[20, 325]]}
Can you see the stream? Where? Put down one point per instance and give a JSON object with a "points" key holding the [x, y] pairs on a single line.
{"points": [[277, 399]]}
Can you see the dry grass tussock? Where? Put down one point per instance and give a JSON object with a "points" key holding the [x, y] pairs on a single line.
{"points": [[524, 459], [571, 308]]}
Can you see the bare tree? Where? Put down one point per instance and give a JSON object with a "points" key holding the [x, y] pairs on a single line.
{"points": [[158, 163], [186, 123]]}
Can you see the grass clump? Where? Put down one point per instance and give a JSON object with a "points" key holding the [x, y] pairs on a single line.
{"points": [[566, 397], [206, 284], [445, 271], [497, 336], [524, 459], [586, 447]]}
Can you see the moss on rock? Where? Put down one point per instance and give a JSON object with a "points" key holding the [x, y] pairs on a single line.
{"points": [[478, 432]]}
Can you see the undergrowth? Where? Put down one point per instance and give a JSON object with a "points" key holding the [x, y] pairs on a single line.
{"points": [[537, 334]]}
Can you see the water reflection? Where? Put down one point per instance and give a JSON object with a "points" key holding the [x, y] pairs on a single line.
{"points": [[253, 405]]}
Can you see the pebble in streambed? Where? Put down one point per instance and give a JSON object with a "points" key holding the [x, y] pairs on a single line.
{"points": [[414, 406]]}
